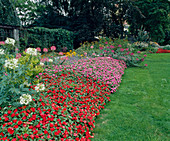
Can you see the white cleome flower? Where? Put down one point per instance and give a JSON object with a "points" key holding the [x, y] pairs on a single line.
{"points": [[42, 64], [32, 51], [10, 41], [51, 60], [40, 87], [25, 99], [2, 51], [11, 63]]}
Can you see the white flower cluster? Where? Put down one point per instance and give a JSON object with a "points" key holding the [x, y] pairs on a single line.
{"points": [[11, 63], [32, 51], [143, 44], [41, 64], [25, 99], [50, 60], [2, 51], [40, 87], [10, 41]]}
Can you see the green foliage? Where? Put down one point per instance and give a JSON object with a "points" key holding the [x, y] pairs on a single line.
{"points": [[15, 78], [44, 38], [118, 49], [167, 47], [142, 36], [155, 18], [32, 63], [12, 85], [8, 15]]}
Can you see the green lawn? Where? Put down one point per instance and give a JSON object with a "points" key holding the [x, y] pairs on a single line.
{"points": [[140, 109]]}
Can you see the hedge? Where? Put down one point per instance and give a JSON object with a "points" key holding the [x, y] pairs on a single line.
{"points": [[45, 38]]}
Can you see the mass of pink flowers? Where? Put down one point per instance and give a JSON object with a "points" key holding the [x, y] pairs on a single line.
{"points": [[104, 69]]}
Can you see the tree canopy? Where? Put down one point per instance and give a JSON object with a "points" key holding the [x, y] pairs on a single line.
{"points": [[90, 18], [8, 15]]}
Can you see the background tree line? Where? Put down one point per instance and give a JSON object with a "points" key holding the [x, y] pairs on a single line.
{"points": [[90, 18]]}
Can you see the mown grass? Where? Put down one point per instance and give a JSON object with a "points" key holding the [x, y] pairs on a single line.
{"points": [[139, 110]]}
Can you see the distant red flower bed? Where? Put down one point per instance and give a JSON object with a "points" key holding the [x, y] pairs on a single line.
{"points": [[162, 51]]}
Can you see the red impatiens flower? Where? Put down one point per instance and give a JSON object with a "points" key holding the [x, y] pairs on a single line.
{"points": [[15, 120], [19, 122], [45, 132], [11, 130], [26, 135], [15, 126]]}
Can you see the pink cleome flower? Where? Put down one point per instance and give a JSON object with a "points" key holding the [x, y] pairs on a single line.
{"points": [[2, 43], [18, 55], [53, 48], [45, 50], [38, 49]]}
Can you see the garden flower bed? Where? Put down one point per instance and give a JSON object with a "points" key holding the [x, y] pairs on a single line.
{"points": [[160, 50], [67, 104]]}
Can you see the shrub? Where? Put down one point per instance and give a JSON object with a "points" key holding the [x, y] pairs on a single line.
{"points": [[106, 47], [33, 64], [44, 37]]}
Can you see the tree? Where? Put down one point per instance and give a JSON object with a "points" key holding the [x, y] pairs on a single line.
{"points": [[155, 20], [8, 15]]}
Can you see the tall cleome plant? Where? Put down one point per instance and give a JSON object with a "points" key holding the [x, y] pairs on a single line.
{"points": [[17, 72]]}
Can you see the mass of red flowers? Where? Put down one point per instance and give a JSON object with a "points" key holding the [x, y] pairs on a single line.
{"points": [[162, 51], [65, 111]]}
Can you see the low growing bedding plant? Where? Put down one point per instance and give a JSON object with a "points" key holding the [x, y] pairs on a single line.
{"points": [[45, 101], [104, 69], [64, 107]]}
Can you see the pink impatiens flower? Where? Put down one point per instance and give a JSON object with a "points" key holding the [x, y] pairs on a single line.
{"points": [[60, 53], [91, 47], [112, 46], [100, 48], [122, 49], [119, 45]]}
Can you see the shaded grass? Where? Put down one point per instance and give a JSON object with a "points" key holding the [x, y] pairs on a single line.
{"points": [[139, 110]]}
